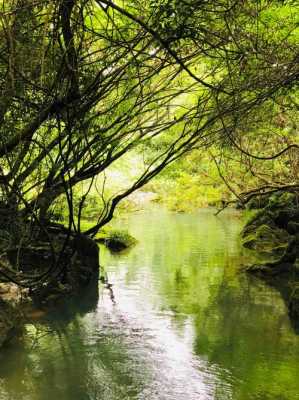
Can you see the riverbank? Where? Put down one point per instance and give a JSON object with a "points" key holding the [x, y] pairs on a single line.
{"points": [[55, 268], [18, 306], [272, 233]]}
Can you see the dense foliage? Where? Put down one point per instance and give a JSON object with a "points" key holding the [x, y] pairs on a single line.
{"points": [[86, 84]]}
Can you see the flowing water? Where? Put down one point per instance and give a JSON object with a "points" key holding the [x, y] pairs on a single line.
{"points": [[182, 323]]}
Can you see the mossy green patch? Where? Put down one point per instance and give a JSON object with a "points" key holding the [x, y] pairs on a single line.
{"points": [[269, 242], [118, 240]]}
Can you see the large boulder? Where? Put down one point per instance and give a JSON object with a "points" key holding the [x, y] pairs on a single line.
{"points": [[282, 200], [273, 234], [85, 262], [10, 320], [269, 242], [272, 245], [79, 266]]}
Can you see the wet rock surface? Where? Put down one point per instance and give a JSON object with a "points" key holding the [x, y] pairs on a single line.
{"points": [[117, 240], [273, 234], [68, 264], [11, 319], [79, 265]]}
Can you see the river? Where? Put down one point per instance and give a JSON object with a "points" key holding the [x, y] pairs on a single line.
{"points": [[182, 323]]}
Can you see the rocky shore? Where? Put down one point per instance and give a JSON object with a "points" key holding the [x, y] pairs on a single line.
{"points": [[273, 234], [79, 267]]}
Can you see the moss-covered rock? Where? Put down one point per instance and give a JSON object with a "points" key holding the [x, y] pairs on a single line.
{"points": [[273, 233], [256, 203], [270, 243], [257, 219], [119, 240], [282, 200]]}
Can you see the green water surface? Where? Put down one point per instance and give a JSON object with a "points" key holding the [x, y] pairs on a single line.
{"points": [[182, 323]]}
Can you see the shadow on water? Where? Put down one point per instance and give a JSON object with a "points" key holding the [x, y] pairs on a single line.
{"points": [[184, 324], [66, 356], [285, 287]]}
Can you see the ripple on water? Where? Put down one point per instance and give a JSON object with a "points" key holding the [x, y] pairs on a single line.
{"points": [[182, 325]]}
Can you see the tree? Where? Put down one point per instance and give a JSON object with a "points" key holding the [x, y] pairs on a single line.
{"points": [[86, 82]]}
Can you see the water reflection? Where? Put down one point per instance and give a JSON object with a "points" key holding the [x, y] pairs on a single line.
{"points": [[184, 325]]}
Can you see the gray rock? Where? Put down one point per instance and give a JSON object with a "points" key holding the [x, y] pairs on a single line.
{"points": [[10, 321]]}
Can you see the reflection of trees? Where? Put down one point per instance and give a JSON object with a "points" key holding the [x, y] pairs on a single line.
{"points": [[75, 360], [241, 324], [285, 286], [46, 371], [243, 330], [45, 365]]}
